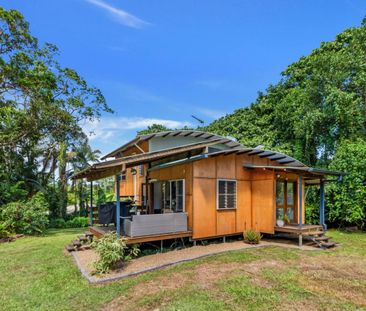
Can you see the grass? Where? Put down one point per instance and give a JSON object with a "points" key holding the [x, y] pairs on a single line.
{"points": [[36, 275]]}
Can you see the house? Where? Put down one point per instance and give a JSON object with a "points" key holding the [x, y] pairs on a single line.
{"points": [[200, 185]]}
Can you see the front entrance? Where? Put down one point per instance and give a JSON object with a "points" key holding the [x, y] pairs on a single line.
{"points": [[286, 202]]}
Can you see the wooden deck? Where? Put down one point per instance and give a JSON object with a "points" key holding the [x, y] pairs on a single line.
{"points": [[100, 231], [296, 229]]}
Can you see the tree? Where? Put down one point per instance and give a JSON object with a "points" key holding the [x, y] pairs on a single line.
{"points": [[41, 107], [155, 128], [347, 200], [319, 102], [317, 114]]}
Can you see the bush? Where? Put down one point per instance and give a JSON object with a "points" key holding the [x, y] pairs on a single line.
{"points": [[58, 223], [78, 222], [252, 237], [29, 217], [3, 231], [112, 250]]}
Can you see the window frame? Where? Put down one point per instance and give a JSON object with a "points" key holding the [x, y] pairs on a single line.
{"points": [[218, 194], [183, 194]]}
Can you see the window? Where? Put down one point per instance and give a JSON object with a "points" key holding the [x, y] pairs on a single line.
{"points": [[177, 196], [142, 171], [226, 194]]}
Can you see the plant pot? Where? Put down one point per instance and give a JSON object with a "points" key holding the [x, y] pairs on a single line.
{"points": [[280, 223]]}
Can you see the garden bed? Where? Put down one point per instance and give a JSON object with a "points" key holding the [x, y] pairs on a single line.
{"points": [[85, 259]]}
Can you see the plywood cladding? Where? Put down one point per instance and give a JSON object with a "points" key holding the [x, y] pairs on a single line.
{"points": [[256, 191]]}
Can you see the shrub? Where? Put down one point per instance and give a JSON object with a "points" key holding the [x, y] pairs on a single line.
{"points": [[57, 223], [29, 217], [252, 237], [3, 231], [78, 222], [112, 250]]}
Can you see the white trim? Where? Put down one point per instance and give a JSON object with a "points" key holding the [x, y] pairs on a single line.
{"points": [[217, 194]]}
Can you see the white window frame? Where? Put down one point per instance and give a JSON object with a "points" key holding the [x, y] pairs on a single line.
{"points": [[184, 194], [218, 194]]}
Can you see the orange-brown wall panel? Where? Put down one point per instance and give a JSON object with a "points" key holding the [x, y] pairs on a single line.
{"points": [[241, 172], [205, 168], [244, 206], [263, 205], [204, 208], [225, 166], [226, 222]]}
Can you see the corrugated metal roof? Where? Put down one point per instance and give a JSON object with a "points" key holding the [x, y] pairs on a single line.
{"points": [[142, 158], [306, 169], [185, 133]]}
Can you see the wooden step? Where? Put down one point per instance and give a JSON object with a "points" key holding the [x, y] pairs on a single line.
{"points": [[313, 233], [83, 238], [322, 238], [88, 234], [76, 243]]}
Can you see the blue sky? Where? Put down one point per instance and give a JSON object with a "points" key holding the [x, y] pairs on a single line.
{"points": [[161, 61]]}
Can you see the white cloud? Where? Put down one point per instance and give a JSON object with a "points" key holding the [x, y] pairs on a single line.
{"points": [[211, 113], [109, 128], [121, 16]]}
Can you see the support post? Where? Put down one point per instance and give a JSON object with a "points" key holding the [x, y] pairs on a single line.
{"points": [[91, 204], [118, 207], [300, 202], [322, 205]]}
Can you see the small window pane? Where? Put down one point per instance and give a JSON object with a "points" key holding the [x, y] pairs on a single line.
{"points": [[222, 187], [279, 213], [222, 201], [230, 201], [231, 187], [180, 187], [290, 193], [280, 193]]}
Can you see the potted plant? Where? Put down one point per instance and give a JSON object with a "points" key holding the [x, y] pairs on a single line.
{"points": [[286, 219], [280, 221]]}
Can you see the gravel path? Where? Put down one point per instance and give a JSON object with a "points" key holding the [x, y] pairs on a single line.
{"points": [[86, 258]]}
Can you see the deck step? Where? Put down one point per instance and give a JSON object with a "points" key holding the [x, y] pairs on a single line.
{"points": [[313, 233], [322, 238], [83, 238], [76, 243], [88, 234]]}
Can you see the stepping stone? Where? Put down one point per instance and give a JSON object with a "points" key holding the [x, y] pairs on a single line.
{"points": [[70, 248], [76, 243], [327, 244]]}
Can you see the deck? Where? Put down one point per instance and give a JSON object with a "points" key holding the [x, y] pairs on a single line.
{"points": [[99, 231], [296, 229]]}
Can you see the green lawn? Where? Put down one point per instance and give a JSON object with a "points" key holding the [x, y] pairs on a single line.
{"points": [[36, 275]]}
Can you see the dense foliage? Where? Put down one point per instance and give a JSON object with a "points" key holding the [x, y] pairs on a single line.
{"points": [[112, 250], [28, 217], [317, 114], [42, 108], [347, 204]]}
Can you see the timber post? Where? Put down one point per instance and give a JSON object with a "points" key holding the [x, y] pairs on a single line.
{"points": [[91, 204], [300, 209], [118, 206], [322, 205]]}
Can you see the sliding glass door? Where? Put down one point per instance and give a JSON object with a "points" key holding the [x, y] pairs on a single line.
{"points": [[172, 196]]}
